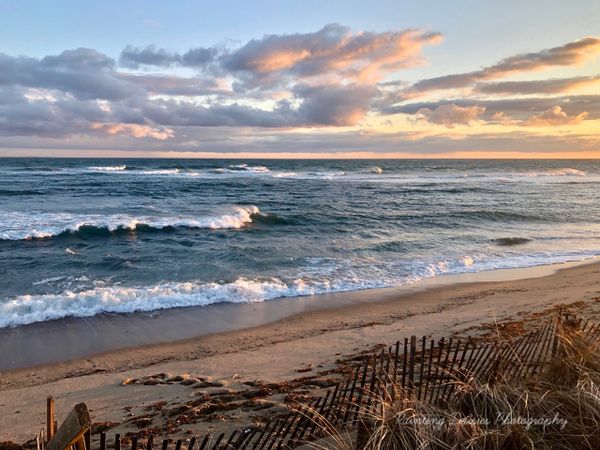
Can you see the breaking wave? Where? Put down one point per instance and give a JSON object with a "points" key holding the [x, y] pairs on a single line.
{"points": [[87, 302], [28, 226], [99, 298], [25, 309]]}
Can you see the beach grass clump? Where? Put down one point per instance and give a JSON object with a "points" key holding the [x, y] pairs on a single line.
{"points": [[556, 408]]}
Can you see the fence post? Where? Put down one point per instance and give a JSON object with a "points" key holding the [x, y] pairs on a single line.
{"points": [[50, 422]]}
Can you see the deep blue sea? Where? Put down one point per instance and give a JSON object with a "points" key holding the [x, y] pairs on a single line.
{"points": [[79, 237]]}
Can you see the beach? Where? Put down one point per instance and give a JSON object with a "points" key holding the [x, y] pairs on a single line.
{"points": [[117, 385], [299, 226]]}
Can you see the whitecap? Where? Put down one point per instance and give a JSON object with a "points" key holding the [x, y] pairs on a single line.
{"points": [[159, 172], [564, 172], [108, 168], [285, 175]]}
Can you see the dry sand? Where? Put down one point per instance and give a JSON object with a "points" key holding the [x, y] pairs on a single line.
{"points": [[226, 376]]}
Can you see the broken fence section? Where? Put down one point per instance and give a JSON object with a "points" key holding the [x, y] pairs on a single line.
{"points": [[420, 369]]}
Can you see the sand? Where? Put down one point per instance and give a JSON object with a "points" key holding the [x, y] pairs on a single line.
{"points": [[245, 374]]}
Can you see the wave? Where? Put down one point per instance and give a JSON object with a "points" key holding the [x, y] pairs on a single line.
{"points": [[272, 219], [326, 175], [16, 193], [25, 309], [132, 171], [564, 172], [239, 169], [28, 226], [159, 172], [497, 216], [289, 174], [432, 175], [31, 308], [108, 168], [247, 168], [510, 241], [99, 298]]}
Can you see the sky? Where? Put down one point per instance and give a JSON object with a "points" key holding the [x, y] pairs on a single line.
{"points": [[300, 79]]}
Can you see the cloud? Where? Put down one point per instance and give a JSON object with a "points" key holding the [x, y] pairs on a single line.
{"points": [[318, 106], [334, 105], [550, 86], [554, 116], [189, 114], [243, 142], [519, 108], [571, 54], [83, 72], [151, 56], [501, 118], [174, 85], [508, 112], [260, 92], [136, 131], [451, 115], [133, 57], [324, 78], [335, 49]]}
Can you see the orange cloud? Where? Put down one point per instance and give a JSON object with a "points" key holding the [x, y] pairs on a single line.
{"points": [[358, 56], [451, 115], [571, 54], [279, 60], [550, 86], [134, 130], [554, 116]]}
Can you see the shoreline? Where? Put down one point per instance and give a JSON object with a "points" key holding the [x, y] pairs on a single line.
{"points": [[74, 338], [306, 344]]}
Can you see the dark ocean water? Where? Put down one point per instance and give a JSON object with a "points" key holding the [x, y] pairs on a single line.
{"points": [[80, 237]]}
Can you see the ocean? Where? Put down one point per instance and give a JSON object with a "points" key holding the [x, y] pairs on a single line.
{"points": [[81, 237]]}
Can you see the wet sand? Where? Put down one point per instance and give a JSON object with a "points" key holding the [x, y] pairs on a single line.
{"points": [[271, 341]]}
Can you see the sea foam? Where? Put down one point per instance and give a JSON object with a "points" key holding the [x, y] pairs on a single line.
{"points": [[25, 309]]}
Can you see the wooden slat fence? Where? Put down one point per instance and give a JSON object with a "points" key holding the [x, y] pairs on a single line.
{"points": [[419, 369]]}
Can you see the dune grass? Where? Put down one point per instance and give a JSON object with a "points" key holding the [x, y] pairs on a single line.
{"points": [[557, 408]]}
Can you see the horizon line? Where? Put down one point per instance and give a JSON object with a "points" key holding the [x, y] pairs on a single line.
{"points": [[125, 154]]}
